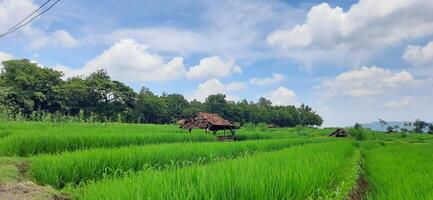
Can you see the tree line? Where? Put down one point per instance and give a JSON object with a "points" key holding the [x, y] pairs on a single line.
{"points": [[32, 92], [418, 126]]}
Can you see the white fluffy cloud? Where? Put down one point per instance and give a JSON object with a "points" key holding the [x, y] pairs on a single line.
{"points": [[275, 78], [213, 67], [128, 60], [368, 82], [419, 55], [405, 101], [165, 39], [367, 26], [282, 96], [4, 57], [214, 86], [59, 38]]}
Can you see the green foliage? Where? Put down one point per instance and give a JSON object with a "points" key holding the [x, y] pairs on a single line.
{"points": [[31, 88], [216, 103], [400, 171], [311, 171], [404, 130], [357, 126], [358, 134], [26, 138], [430, 128], [419, 126], [298, 129], [176, 104], [76, 167], [9, 173], [34, 93], [389, 129], [262, 126], [249, 126]]}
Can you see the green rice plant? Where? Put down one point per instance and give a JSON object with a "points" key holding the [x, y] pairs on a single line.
{"points": [[33, 128], [253, 136], [31, 138], [357, 134], [81, 166], [400, 171], [310, 171], [26, 145]]}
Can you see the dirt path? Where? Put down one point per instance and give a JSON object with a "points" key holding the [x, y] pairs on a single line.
{"points": [[15, 186], [360, 190], [24, 191]]}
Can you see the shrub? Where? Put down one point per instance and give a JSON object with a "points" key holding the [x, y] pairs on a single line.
{"points": [[358, 134], [262, 126], [248, 126]]}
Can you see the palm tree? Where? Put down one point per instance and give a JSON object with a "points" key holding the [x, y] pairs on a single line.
{"points": [[382, 123]]}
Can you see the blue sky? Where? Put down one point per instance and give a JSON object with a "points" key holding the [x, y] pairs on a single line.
{"points": [[352, 61]]}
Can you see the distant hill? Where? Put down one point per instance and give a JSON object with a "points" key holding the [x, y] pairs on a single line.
{"points": [[378, 127]]}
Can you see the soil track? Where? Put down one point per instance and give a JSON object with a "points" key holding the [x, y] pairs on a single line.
{"points": [[23, 191], [20, 188], [358, 193]]}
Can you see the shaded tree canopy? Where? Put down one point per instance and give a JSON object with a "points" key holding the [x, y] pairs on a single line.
{"points": [[419, 126], [26, 89]]}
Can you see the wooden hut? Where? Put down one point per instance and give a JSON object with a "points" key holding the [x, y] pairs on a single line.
{"points": [[338, 133], [209, 122]]}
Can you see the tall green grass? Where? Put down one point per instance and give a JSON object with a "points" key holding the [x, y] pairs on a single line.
{"points": [[309, 171], [400, 171], [30, 138], [278, 133], [33, 138], [76, 167], [26, 145]]}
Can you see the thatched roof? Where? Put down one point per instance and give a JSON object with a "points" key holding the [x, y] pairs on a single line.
{"points": [[339, 133], [181, 122], [207, 121]]}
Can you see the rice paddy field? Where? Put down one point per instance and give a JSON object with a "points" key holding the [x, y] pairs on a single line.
{"points": [[130, 161]]}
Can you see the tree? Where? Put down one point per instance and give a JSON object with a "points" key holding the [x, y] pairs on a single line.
{"points": [[382, 123], [233, 112], [193, 107], [409, 126], [75, 93], [26, 89], [404, 130], [390, 129], [419, 126], [176, 104], [216, 103], [308, 117], [107, 98], [30, 87], [357, 126], [150, 109], [430, 128], [263, 102]]}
